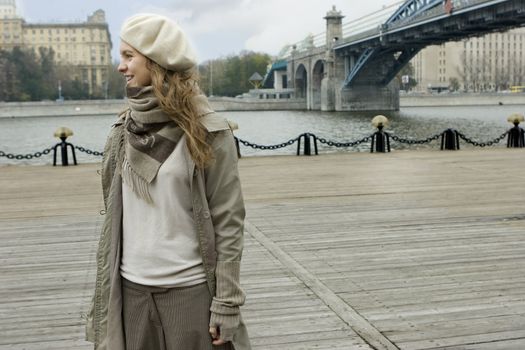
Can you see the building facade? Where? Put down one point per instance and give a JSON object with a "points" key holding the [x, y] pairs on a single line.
{"points": [[84, 45], [493, 62]]}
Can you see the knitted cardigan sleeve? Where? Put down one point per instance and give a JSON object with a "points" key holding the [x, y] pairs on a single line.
{"points": [[226, 206]]}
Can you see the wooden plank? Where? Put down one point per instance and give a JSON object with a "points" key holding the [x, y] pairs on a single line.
{"points": [[367, 331], [426, 246], [407, 257]]}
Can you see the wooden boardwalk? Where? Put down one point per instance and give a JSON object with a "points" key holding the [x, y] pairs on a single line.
{"points": [[408, 250]]}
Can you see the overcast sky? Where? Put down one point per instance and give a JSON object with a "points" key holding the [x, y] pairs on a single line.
{"points": [[217, 28]]}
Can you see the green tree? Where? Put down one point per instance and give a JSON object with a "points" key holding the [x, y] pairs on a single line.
{"points": [[229, 76], [29, 74], [453, 84], [116, 82], [47, 87], [9, 84]]}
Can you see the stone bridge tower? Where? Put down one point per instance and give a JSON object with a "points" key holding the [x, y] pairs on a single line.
{"points": [[334, 32], [318, 73]]}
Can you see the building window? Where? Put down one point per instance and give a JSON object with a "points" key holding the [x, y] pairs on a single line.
{"points": [[94, 77]]}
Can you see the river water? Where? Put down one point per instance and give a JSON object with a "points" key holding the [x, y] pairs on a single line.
{"points": [[480, 123]]}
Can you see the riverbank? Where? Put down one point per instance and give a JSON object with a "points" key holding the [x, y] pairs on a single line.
{"points": [[452, 99], [112, 107], [220, 104]]}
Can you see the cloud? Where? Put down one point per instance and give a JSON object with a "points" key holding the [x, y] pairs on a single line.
{"points": [[230, 26], [216, 27]]}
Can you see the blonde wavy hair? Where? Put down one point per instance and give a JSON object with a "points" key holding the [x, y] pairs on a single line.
{"points": [[175, 91]]}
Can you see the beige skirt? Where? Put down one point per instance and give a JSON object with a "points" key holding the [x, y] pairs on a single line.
{"points": [[167, 318]]}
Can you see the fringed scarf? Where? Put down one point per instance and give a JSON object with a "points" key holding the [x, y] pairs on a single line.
{"points": [[149, 137]]}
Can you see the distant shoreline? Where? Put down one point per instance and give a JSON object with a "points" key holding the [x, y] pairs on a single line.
{"points": [[113, 107], [455, 100]]}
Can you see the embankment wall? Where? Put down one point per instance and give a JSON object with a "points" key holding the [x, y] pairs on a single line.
{"points": [[112, 107]]}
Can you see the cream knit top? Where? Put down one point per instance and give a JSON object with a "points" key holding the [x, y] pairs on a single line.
{"points": [[160, 245]]}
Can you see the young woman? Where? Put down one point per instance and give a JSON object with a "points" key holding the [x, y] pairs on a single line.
{"points": [[169, 255]]}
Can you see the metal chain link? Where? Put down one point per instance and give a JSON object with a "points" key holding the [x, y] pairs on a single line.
{"points": [[265, 147], [344, 144], [25, 156], [88, 151], [482, 144], [281, 145], [415, 142]]}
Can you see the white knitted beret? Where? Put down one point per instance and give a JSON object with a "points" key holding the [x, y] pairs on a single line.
{"points": [[159, 39]]}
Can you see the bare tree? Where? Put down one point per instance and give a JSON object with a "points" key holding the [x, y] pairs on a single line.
{"points": [[463, 73]]}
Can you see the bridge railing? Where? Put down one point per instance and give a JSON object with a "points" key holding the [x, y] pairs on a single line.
{"points": [[370, 25], [369, 22], [361, 25], [435, 12]]}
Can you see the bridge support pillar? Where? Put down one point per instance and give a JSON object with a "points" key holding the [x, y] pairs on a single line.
{"points": [[368, 98], [328, 95]]}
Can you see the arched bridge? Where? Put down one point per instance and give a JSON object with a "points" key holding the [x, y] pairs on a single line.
{"points": [[356, 71]]}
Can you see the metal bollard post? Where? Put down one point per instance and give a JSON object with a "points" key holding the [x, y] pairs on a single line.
{"points": [[238, 147], [449, 140], [516, 135], [63, 151], [307, 151], [307, 144], [63, 133], [380, 139]]}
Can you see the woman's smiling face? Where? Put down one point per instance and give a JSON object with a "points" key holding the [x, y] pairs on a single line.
{"points": [[133, 65]]}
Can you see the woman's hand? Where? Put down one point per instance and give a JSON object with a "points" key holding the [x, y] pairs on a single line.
{"points": [[215, 334]]}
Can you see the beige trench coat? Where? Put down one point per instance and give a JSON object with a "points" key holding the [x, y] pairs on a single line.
{"points": [[218, 214]]}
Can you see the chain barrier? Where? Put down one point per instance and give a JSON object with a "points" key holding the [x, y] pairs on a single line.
{"points": [[26, 156], [283, 144], [482, 144], [344, 144], [416, 142], [88, 151], [368, 138], [265, 147]]}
